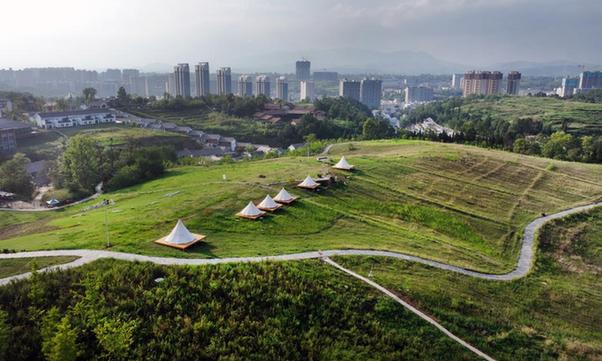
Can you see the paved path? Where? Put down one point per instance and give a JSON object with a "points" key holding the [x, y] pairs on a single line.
{"points": [[411, 309], [98, 190]]}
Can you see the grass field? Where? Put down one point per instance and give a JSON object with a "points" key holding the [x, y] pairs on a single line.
{"points": [[456, 204], [11, 267], [553, 313], [583, 118]]}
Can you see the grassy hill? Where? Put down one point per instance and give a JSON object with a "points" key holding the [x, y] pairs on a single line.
{"points": [[452, 203], [552, 314], [582, 118]]}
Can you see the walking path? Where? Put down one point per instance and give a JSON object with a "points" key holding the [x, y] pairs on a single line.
{"points": [[98, 190], [524, 264]]}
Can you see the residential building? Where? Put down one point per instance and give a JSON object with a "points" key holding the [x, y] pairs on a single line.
{"points": [[326, 76], [282, 88], [568, 87], [170, 85], [72, 119], [224, 81], [303, 69], [590, 80], [201, 72], [513, 83], [481, 83], [10, 132], [245, 86], [416, 94], [350, 89], [371, 92], [182, 80], [306, 90], [456, 83], [262, 85]]}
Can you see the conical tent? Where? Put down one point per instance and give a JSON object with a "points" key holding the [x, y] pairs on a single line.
{"points": [[251, 212], [284, 197], [268, 204], [180, 237], [343, 164], [308, 183]]}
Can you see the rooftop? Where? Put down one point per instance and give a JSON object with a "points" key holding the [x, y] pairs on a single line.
{"points": [[74, 112], [9, 124]]}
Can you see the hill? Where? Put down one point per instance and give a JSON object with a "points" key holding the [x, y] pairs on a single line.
{"points": [[457, 204]]}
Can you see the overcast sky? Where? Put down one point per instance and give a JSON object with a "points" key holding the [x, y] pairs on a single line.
{"points": [[134, 33]]}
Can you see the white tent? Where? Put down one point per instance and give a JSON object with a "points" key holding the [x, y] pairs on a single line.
{"points": [[343, 165], [180, 237], [284, 197], [268, 204], [308, 183], [250, 211]]}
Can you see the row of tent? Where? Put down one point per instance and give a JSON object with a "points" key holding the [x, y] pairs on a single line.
{"points": [[181, 238]]}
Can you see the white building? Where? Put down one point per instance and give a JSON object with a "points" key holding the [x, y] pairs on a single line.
{"points": [[307, 90], [72, 119]]}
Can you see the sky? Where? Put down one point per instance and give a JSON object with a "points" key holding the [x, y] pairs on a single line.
{"points": [[136, 33]]}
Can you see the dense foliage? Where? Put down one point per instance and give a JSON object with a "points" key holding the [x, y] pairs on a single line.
{"points": [[227, 104], [593, 96], [86, 162], [14, 177], [298, 311]]}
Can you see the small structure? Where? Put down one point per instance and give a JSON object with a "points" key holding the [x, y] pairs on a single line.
{"points": [[251, 212], [308, 183], [343, 165], [268, 204], [284, 197], [7, 196], [180, 237]]}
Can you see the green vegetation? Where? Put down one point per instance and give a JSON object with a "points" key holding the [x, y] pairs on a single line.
{"points": [[457, 204], [14, 177], [552, 127], [11, 267], [552, 314], [292, 311]]}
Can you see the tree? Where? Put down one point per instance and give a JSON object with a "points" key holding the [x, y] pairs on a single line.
{"points": [[558, 145], [14, 177], [61, 345], [374, 128], [123, 99], [89, 95], [4, 335], [80, 164]]}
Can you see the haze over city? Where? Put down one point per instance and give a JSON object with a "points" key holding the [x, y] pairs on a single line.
{"points": [[264, 35]]}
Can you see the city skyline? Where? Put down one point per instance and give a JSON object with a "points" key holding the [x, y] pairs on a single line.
{"points": [[170, 33]]}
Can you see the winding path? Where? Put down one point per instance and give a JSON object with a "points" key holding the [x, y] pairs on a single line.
{"points": [[523, 267]]}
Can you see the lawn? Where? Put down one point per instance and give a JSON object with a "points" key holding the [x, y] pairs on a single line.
{"points": [[553, 313], [11, 267], [582, 118], [456, 204]]}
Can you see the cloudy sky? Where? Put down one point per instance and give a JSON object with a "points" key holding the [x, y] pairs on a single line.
{"points": [[134, 33]]}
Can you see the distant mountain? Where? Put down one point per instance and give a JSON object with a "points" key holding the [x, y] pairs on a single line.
{"points": [[551, 68]]}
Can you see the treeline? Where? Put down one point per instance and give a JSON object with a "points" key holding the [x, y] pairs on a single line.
{"points": [[14, 177], [521, 135], [87, 162], [137, 311], [593, 96]]}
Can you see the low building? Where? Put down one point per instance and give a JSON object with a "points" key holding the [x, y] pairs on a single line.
{"points": [[417, 94], [73, 118], [228, 144], [10, 132]]}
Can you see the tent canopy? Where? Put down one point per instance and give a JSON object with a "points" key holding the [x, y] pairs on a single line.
{"points": [[180, 234], [268, 204], [308, 182], [250, 211], [284, 196], [343, 164]]}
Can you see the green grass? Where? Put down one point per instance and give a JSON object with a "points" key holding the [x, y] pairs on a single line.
{"points": [[553, 313], [11, 267], [302, 310], [582, 118], [461, 205]]}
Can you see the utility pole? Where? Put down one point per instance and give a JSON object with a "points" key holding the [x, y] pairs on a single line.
{"points": [[108, 242]]}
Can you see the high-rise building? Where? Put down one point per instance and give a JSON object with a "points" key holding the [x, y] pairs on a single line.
{"points": [[224, 81], [371, 92], [245, 86], [456, 83], [303, 69], [481, 83], [182, 80], [415, 94], [262, 86], [306, 90], [350, 89], [590, 80], [170, 84], [201, 72], [568, 87], [282, 88], [513, 83]]}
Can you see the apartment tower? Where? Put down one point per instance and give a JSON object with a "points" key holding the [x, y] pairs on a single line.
{"points": [[224, 81], [182, 80], [201, 71]]}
